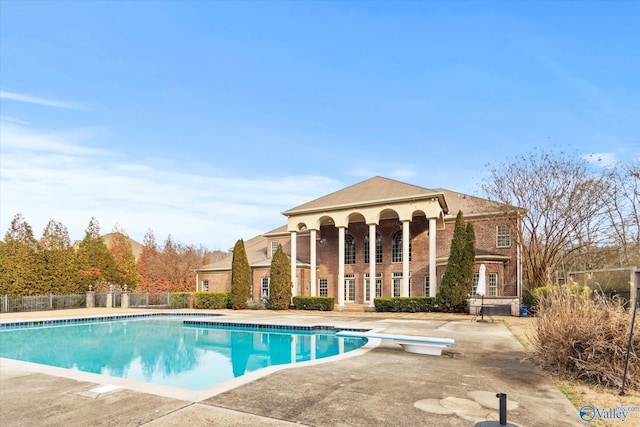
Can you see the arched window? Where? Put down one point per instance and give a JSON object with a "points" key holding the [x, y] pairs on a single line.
{"points": [[396, 247], [349, 249], [378, 249]]}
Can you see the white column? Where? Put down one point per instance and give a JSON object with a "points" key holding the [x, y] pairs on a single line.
{"points": [[294, 257], [312, 252], [341, 266], [404, 286], [372, 264], [432, 257], [197, 282]]}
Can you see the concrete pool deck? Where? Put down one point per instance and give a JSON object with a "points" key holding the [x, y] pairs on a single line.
{"points": [[384, 386]]}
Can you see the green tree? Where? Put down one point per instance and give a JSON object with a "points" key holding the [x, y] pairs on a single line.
{"points": [[125, 262], [457, 280], [240, 277], [280, 281], [469, 258], [61, 274], [95, 262], [20, 264]]}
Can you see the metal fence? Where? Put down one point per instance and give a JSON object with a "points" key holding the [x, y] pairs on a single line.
{"points": [[18, 303], [150, 299]]}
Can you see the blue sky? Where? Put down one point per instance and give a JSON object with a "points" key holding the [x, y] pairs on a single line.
{"points": [[206, 119]]}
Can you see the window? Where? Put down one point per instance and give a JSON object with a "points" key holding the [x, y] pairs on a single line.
{"points": [[378, 249], [493, 284], [324, 288], [264, 290], [349, 287], [474, 287], [397, 279], [396, 247], [367, 286], [205, 286], [427, 285], [349, 250], [274, 247], [503, 236]]}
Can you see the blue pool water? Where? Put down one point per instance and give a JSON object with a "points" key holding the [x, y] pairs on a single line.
{"points": [[166, 350]]}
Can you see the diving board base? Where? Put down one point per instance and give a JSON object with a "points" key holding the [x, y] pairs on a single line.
{"points": [[410, 344]]}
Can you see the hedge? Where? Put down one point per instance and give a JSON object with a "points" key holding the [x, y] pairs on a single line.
{"points": [[313, 303], [182, 299], [212, 300], [405, 304]]}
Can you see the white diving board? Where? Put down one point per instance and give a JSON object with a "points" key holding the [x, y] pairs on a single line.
{"points": [[410, 343]]}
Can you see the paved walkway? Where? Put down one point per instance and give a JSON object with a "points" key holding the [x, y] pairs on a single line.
{"points": [[384, 386]]}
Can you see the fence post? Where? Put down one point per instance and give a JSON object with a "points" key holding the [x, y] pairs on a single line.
{"points": [[91, 298], [110, 297]]}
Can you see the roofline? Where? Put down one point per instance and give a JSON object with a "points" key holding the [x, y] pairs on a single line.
{"points": [[440, 196]]}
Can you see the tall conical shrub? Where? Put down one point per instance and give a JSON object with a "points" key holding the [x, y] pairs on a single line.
{"points": [[456, 282], [280, 291], [240, 277]]}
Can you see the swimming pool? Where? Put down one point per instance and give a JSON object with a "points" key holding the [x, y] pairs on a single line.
{"points": [[167, 350]]}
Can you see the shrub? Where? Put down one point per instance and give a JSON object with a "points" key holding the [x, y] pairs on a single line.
{"points": [[212, 300], [240, 277], [314, 303], [280, 281], [544, 290], [182, 300], [404, 304], [255, 305], [585, 338]]}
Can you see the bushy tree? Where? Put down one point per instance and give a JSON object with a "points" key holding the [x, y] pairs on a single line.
{"points": [[125, 262], [60, 271], [149, 264], [458, 278], [240, 277], [96, 264], [280, 281], [170, 269], [20, 263]]}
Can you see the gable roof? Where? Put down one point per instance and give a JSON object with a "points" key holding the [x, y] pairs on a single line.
{"points": [[371, 191]]}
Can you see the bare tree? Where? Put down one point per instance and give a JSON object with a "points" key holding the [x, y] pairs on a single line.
{"points": [[624, 212], [564, 198]]}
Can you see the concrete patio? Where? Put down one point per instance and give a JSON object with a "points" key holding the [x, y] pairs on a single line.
{"points": [[384, 386]]}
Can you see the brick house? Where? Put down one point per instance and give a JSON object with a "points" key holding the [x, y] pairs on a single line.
{"points": [[330, 237]]}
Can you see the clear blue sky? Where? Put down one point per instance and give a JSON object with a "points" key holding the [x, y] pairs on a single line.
{"points": [[207, 119]]}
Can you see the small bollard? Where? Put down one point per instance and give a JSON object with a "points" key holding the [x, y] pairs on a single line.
{"points": [[503, 415]]}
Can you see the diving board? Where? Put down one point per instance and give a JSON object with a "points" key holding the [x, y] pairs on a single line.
{"points": [[410, 343]]}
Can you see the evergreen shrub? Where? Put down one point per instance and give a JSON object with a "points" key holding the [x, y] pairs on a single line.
{"points": [[314, 303], [405, 304], [212, 300]]}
